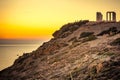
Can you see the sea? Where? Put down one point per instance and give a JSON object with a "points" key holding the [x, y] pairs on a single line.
{"points": [[12, 49]]}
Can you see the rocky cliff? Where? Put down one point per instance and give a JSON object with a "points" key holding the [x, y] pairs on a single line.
{"points": [[82, 50]]}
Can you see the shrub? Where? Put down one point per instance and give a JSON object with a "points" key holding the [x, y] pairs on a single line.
{"points": [[107, 53], [89, 38], [110, 53], [86, 34], [115, 42], [111, 31], [73, 74], [79, 23], [103, 33], [73, 26], [118, 32], [93, 70], [70, 27], [74, 44], [72, 39]]}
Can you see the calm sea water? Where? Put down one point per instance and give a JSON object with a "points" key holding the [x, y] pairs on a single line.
{"points": [[10, 52]]}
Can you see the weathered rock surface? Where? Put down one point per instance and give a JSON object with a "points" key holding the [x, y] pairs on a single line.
{"points": [[79, 51]]}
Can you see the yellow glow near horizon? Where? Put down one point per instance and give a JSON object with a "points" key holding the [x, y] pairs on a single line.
{"points": [[38, 19]]}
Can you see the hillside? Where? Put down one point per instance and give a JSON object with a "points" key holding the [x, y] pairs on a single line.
{"points": [[82, 50]]}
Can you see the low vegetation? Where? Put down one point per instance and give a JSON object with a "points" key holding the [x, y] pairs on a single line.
{"points": [[72, 39], [86, 34], [73, 74], [106, 53], [74, 44], [115, 42], [22, 58], [89, 38], [111, 31], [69, 28], [72, 56]]}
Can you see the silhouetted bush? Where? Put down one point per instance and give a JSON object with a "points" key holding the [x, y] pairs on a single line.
{"points": [[65, 34], [118, 32], [86, 34], [73, 39], [89, 38], [73, 74], [115, 42], [73, 26], [111, 31], [107, 53], [70, 27], [22, 58]]}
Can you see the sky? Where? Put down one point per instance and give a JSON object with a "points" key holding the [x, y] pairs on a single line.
{"points": [[38, 19]]}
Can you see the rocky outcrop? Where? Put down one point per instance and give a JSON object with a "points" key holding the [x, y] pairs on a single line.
{"points": [[76, 52], [68, 29]]}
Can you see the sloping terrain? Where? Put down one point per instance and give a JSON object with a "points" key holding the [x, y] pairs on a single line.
{"points": [[79, 51]]}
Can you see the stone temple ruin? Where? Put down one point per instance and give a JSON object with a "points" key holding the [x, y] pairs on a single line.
{"points": [[99, 16], [110, 16]]}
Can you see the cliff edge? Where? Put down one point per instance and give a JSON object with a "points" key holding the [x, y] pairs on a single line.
{"points": [[82, 50]]}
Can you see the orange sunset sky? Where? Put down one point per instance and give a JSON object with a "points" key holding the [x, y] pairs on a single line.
{"points": [[38, 19]]}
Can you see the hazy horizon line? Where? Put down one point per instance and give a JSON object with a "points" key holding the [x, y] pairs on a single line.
{"points": [[20, 41]]}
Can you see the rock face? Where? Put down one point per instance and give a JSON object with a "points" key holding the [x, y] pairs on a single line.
{"points": [[79, 51]]}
